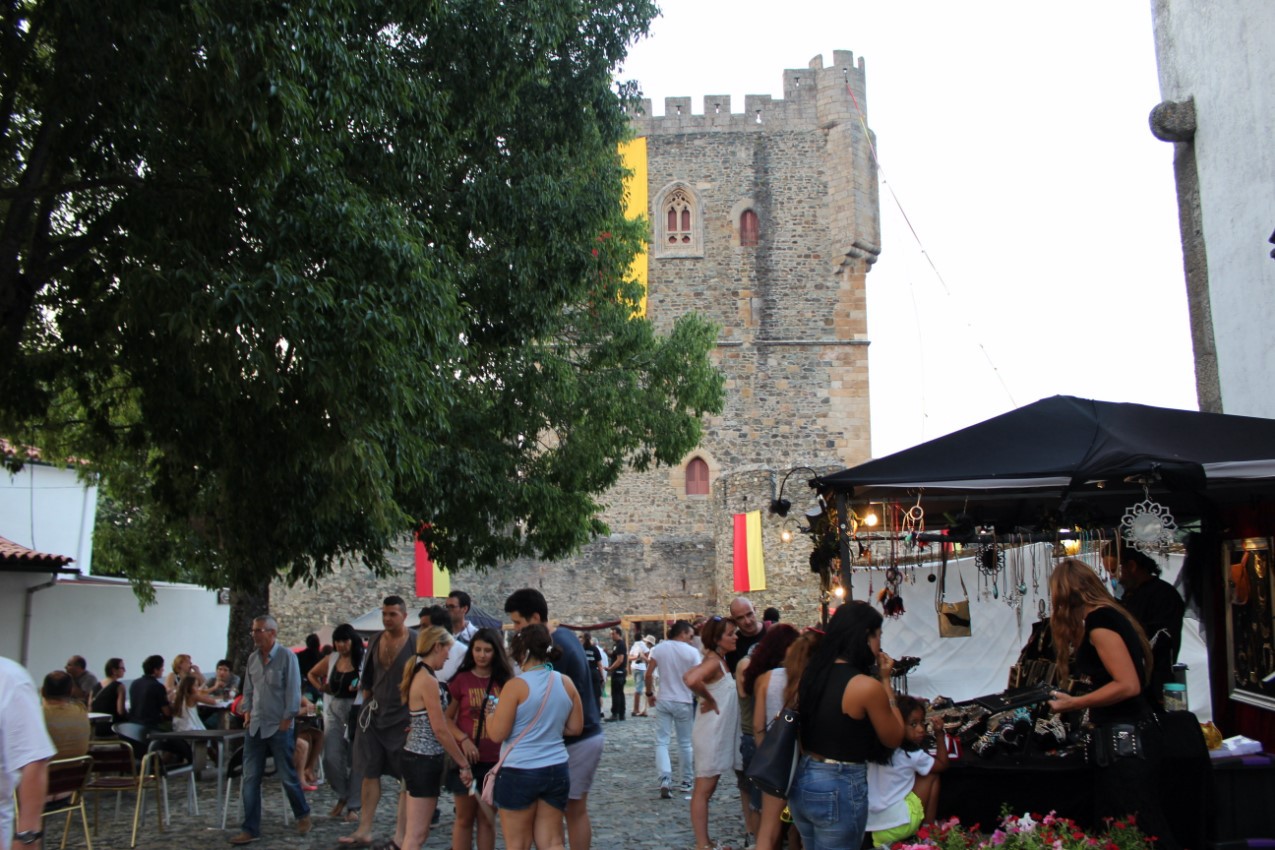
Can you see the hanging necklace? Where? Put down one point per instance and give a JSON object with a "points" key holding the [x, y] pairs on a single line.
{"points": [[545, 665]]}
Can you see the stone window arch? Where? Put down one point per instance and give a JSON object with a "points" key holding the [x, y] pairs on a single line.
{"points": [[697, 477], [679, 222], [749, 229]]}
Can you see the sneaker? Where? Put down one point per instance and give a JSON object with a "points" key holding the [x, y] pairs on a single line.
{"points": [[243, 838], [303, 824], [687, 786], [665, 793]]}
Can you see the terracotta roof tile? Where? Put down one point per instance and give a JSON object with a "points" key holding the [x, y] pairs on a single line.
{"points": [[13, 554]]}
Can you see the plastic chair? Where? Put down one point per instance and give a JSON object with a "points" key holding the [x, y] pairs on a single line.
{"points": [[234, 770], [67, 777], [153, 764]]}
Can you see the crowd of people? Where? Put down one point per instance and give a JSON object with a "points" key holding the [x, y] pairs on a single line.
{"points": [[510, 723]]}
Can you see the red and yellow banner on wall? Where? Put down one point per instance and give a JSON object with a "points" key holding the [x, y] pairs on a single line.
{"points": [[430, 579], [750, 566]]}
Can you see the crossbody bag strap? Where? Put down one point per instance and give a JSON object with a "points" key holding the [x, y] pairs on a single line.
{"points": [[532, 724]]}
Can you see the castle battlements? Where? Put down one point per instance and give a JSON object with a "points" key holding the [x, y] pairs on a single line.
{"points": [[815, 95]]}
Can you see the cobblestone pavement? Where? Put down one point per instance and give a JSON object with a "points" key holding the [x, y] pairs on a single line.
{"points": [[624, 805]]}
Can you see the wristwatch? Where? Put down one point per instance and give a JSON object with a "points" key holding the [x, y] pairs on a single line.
{"points": [[29, 836], [650, 693]]}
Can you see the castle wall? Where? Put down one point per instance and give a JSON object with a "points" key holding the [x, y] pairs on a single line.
{"points": [[792, 345]]}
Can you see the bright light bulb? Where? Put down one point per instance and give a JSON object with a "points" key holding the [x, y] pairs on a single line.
{"points": [[839, 592], [870, 520], [786, 535]]}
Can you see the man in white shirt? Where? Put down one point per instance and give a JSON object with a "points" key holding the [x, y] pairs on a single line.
{"points": [[675, 708], [25, 751]]}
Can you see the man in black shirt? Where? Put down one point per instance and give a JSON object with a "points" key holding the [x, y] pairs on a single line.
{"points": [[748, 630], [1158, 609], [147, 699], [619, 673]]}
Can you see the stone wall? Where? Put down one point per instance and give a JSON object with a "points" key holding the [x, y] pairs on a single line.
{"points": [[793, 348]]}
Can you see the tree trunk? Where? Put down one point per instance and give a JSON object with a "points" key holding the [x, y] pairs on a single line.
{"points": [[244, 606]]}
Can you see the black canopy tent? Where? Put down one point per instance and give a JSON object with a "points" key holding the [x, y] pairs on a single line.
{"points": [[1066, 461]]}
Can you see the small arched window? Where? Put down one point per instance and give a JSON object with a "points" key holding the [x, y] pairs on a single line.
{"points": [[679, 222], [748, 229], [697, 477]]}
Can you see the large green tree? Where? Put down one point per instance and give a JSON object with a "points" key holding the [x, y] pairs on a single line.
{"points": [[304, 275]]}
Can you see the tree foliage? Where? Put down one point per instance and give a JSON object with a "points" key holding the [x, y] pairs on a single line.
{"points": [[299, 277]]}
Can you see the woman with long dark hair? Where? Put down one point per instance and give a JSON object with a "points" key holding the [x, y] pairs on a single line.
{"points": [[762, 685], [338, 680], [715, 738], [1096, 639], [477, 684], [847, 716]]}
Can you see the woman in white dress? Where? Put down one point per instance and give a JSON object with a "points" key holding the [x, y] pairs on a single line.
{"points": [[715, 739], [190, 695]]}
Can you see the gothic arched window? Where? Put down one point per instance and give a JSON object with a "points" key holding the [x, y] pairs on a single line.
{"points": [[679, 225]]}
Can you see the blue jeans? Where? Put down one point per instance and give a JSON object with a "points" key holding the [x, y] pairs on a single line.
{"points": [[829, 804], [279, 747], [674, 717]]}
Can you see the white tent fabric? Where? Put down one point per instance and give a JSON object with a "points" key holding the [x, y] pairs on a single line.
{"points": [[964, 668]]}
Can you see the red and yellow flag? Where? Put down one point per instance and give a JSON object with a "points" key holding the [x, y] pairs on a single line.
{"points": [[431, 580], [750, 567]]}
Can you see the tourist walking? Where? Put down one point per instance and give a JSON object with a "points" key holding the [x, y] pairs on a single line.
{"points": [[271, 700], [338, 681], [674, 707]]}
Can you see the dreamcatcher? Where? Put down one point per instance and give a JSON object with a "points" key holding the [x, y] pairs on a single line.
{"points": [[890, 599]]}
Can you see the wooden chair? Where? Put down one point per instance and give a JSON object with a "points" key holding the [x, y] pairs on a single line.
{"points": [[67, 777]]}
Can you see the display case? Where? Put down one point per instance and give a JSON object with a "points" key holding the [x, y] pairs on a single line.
{"points": [[1250, 618]]}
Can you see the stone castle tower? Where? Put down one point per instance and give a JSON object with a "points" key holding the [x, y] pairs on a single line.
{"points": [[766, 221]]}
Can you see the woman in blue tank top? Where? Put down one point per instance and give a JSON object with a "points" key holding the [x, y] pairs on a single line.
{"points": [[534, 712], [847, 716]]}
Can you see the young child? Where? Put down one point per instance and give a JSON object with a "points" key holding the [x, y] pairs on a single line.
{"points": [[904, 793]]}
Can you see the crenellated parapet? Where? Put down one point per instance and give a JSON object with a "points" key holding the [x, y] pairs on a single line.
{"points": [[815, 96]]}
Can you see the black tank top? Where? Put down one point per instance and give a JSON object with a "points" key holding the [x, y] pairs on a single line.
{"points": [[831, 733]]}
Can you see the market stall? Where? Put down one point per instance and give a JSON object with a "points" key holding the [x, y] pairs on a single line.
{"points": [[1070, 475]]}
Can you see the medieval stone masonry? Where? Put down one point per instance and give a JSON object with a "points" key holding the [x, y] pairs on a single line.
{"points": [[796, 178]]}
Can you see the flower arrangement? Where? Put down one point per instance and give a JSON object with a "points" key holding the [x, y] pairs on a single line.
{"points": [[1030, 832]]}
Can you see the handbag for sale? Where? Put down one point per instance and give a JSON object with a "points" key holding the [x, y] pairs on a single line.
{"points": [[954, 617], [488, 794], [775, 762]]}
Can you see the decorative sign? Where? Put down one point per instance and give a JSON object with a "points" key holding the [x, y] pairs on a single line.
{"points": [[1149, 527]]}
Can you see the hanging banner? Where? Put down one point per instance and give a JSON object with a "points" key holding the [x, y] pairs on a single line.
{"points": [[750, 567], [430, 579]]}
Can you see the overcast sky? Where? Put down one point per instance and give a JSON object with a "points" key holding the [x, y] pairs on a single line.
{"points": [[1015, 137]]}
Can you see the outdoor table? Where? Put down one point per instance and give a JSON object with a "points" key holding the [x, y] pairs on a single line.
{"points": [[198, 736]]}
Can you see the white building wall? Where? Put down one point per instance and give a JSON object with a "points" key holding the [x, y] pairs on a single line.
{"points": [[1223, 55], [100, 619], [50, 510]]}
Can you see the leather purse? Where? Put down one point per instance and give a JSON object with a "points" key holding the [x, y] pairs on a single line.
{"points": [[954, 617], [775, 763]]}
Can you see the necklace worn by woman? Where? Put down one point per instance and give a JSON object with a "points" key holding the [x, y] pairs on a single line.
{"points": [[546, 665]]}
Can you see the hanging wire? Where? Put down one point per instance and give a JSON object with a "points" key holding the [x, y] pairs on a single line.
{"points": [[872, 149]]}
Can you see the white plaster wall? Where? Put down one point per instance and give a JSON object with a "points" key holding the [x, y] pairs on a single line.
{"points": [[1223, 55], [100, 619], [51, 510]]}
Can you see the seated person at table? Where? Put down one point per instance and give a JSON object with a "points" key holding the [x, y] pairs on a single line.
{"points": [[308, 746], [65, 716], [188, 699], [83, 683], [903, 793], [181, 666], [147, 698], [223, 683], [110, 697]]}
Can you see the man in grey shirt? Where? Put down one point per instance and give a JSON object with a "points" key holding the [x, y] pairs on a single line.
{"points": [[272, 698]]}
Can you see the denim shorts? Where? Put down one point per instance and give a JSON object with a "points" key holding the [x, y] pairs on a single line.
{"points": [[520, 788], [747, 748], [423, 775]]}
